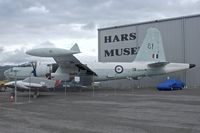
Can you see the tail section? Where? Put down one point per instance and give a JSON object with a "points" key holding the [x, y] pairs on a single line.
{"points": [[152, 47]]}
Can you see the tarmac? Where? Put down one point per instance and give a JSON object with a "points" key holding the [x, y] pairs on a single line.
{"points": [[103, 111]]}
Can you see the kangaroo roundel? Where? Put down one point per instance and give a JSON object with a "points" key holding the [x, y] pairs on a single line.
{"points": [[119, 69]]}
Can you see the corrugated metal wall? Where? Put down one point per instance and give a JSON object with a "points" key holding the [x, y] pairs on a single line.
{"points": [[192, 49], [181, 39]]}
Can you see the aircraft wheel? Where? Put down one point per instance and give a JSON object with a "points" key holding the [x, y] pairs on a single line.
{"points": [[37, 93], [34, 96]]}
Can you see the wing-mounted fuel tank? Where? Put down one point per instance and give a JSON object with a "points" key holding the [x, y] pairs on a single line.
{"points": [[53, 52]]}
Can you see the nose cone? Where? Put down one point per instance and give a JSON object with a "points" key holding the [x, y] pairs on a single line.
{"points": [[9, 73], [29, 52], [6, 73], [33, 52], [192, 65]]}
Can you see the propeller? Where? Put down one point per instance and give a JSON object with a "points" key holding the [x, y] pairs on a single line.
{"points": [[34, 65]]}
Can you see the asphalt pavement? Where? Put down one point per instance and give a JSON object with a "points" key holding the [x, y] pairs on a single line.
{"points": [[140, 110]]}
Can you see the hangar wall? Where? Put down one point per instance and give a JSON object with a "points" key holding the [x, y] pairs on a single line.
{"points": [[181, 38]]}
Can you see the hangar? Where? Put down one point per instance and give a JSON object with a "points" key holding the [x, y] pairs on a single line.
{"points": [[181, 40]]}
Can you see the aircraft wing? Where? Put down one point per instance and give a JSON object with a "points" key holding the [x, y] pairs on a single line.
{"points": [[64, 58], [158, 64], [21, 85], [66, 61]]}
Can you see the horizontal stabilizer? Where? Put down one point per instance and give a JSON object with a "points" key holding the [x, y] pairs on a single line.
{"points": [[158, 64]]}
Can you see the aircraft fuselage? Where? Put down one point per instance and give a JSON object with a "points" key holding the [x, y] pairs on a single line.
{"points": [[109, 71]]}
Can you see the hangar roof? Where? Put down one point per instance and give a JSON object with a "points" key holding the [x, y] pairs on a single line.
{"points": [[153, 21]]}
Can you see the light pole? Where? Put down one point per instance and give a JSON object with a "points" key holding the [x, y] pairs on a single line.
{"points": [[65, 87], [15, 71], [93, 85], [29, 91]]}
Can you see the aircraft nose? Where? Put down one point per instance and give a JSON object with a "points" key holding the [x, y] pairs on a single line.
{"points": [[192, 65], [9, 73], [29, 52], [6, 73]]}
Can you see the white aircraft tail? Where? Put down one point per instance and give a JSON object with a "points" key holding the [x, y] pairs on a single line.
{"points": [[75, 48], [151, 49]]}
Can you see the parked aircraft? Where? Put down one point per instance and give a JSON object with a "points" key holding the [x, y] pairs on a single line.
{"points": [[34, 84], [33, 76], [150, 61], [34, 68]]}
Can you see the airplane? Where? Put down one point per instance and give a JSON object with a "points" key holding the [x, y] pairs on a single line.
{"points": [[150, 61], [33, 76], [33, 68], [33, 84]]}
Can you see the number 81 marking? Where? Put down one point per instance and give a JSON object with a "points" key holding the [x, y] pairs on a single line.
{"points": [[150, 46]]}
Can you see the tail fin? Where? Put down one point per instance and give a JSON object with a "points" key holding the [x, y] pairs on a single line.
{"points": [[152, 47], [75, 48]]}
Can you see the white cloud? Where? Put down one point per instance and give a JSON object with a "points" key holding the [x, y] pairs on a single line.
{"points": [[18, 56], [1, 49], [37, 9], [46, 44], [26, 24], [89, 26], [186, 2]]}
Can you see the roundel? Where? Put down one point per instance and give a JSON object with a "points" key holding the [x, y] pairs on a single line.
{"points": [[119, 69]]}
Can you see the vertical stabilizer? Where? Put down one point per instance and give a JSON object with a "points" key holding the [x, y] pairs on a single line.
{"points": [[152, 47]]}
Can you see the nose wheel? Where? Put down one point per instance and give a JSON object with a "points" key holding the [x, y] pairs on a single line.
{"points": [[36, 94]]}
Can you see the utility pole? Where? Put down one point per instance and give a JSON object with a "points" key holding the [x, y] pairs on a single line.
{"points": [[65, 87], [93, 84], [29, 92], [15, 71]]}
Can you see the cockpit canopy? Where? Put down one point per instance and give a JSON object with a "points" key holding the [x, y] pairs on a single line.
{"points": [[28, 64], [25, 65]]}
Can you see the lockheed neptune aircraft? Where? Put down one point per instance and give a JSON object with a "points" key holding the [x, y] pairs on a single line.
{"points": [[150, 61]]}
